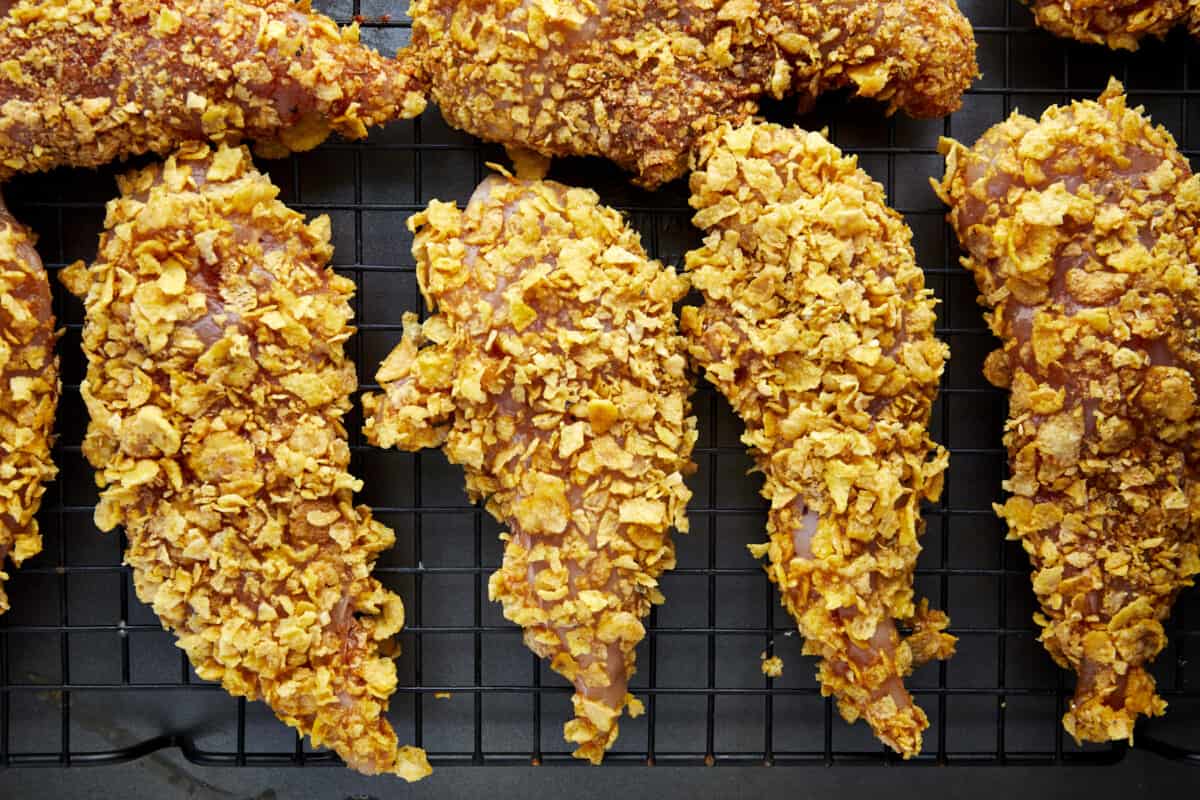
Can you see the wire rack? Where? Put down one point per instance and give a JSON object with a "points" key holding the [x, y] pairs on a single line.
{"points": [[87, 676]]}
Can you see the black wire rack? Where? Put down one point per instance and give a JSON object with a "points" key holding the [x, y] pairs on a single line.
{"points": [[88, 677]]}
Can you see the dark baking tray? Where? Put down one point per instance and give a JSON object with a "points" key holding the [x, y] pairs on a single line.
{"points": [[88, 677]]}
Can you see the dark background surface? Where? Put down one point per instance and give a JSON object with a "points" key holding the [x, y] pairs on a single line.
{"points": [[85, 669], [166, 776]]}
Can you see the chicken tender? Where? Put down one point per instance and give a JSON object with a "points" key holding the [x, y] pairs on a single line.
{"points": [[640, 81], [29, 390], [216, 384], [818, 328], [554, 373], [1081, 232], [85, 82], [1119, 24]]}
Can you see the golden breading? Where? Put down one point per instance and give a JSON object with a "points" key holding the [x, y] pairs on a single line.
{"points": [[554, 373], [29, 389], [1081, 232], [1120, 24], [640, 81], [818, 328], [85, 82], [216, 385]]}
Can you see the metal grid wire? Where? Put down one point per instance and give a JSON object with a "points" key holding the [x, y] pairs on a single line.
{"points": [[87, 676]]}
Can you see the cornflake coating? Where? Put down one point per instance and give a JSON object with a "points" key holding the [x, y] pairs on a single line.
{"points": [[1081, 232], [641, 81], [1119, 24], [216, 385], [29, 390], [818, 328], [85, 82], [554, 373]]}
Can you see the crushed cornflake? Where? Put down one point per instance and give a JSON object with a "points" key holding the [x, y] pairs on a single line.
{"points": [[1100, 353], [218, 444], [818, 328], [29, 391], [771, 667], [1119, 25], [643, 83], [552, 369], [194, 68]]}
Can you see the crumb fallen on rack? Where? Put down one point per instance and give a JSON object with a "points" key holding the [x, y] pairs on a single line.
{"points": [[771, 667]]}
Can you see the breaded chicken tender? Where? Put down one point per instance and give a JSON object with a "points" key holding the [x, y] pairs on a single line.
{"points": [[1081, 232], [818, 328], [86, 82], [640, 81], [216, 384], [554, 373], [29, 390], [1119, 24]]}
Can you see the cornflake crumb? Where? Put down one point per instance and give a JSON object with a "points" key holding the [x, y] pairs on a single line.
{"points": [[771, 667]]}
